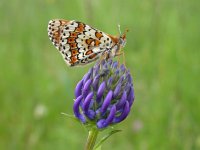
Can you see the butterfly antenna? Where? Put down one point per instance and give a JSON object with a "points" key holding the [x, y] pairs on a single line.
{"points": [[127, 30], [119, 29]]}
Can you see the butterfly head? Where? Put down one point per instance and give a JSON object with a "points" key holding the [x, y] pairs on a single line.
{"points": [[120, 43], [122, 38]]}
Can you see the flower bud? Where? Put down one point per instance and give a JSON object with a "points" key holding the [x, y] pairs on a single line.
{"points": [[105, 95]]}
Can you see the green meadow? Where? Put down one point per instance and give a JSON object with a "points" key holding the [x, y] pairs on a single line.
{"points": [[162, 53]]}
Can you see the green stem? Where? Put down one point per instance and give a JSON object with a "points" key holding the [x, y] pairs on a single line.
{"points": [[93, 133]]}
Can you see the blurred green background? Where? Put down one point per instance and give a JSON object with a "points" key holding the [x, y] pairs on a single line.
{"points": [[162, 53]]}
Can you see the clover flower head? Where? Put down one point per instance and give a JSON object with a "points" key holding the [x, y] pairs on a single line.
{"points": [[105, 94]]}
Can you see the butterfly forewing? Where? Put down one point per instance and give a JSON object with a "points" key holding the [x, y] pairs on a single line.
{"points": [[78, 43]]}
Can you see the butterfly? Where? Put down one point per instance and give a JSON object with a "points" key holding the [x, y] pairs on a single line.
{"points": [[81, 44]]}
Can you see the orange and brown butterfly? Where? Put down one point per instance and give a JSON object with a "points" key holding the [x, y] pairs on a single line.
{"points": [[81, 44]]}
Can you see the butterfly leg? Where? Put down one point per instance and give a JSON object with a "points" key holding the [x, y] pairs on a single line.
{"points": [[104, 56], [123, 55]]}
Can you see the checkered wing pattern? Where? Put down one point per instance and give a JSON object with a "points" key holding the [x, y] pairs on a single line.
{"points": [[79, 43]]}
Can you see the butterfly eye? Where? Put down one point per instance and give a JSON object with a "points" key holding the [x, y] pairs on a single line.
{"points": [[122, 41]]}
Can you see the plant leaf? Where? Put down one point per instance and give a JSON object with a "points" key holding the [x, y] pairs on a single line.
{"points": [[71, 117], [96, 147]]}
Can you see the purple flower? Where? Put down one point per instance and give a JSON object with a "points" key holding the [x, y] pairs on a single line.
{"points": [[105, 95]]}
